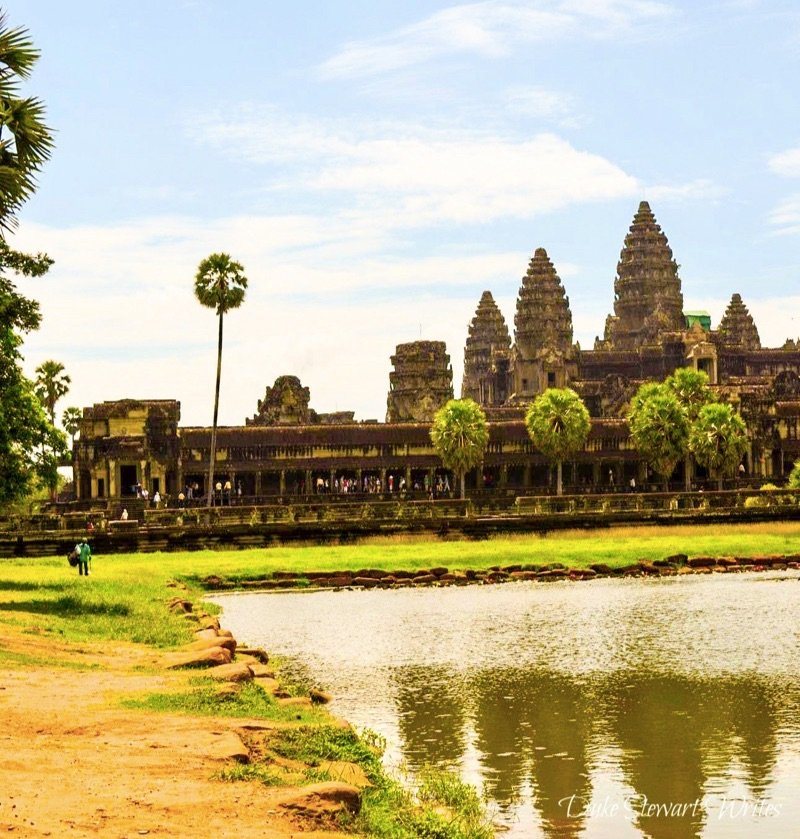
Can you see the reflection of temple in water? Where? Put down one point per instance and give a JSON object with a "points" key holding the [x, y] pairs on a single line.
{"points": [[676, 737]]}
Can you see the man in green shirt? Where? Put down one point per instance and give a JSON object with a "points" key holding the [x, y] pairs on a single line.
{"points": [[84, 556]]}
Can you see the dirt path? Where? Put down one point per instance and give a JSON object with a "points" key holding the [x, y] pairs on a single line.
{"points": [[73, 764]]}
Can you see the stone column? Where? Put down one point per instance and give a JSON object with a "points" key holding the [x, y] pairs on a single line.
{"points": [[113, 480], [309, 489], [257, 488], [282, 486], [504, 476], [526, 475]]}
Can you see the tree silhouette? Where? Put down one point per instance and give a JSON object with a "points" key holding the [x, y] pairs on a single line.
{"points": [[52, 383], [219, 284]]}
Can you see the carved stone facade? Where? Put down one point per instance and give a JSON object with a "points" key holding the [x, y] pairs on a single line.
{"points": [[543, 355], [287, 447], [420, 383], [285, 403], [487, 355]]}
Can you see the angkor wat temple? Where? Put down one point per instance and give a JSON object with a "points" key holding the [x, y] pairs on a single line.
{"points": [[286, 447]]}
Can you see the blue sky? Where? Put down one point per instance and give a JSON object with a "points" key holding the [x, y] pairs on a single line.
{"points": [[376, 165]]}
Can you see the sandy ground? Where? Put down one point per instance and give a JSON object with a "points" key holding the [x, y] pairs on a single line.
{"points": [[74, 764]]}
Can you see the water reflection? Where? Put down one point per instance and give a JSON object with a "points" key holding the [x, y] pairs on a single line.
{"points": [[568, 738]]}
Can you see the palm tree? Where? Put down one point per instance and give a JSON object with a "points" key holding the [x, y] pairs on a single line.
{"points": [[460, 436], [718, 439], [659, 428], [25, 141], [52, 383], [219, 284], [558, 423], [692, 391], [71, 420]]}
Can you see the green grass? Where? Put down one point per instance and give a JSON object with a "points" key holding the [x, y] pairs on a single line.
{"points": [[250, 701], [617, 546]]}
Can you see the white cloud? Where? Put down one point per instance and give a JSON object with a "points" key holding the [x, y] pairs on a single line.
{"points": [[785, 218], [786, 163], [492, 28], [552, 106], [701, 189], [414, 175]]}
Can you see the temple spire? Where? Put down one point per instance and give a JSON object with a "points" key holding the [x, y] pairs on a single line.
{"points": [[486, 355], [647, 289], [737, 329]]}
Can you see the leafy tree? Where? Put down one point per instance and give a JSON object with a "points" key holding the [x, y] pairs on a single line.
{"points": [[219, 284], [558, 423], [718, 439], [52, 383], [691, 388], [460, 436], [659, 428], [793, 481], [29, 445], [71, 420], [25, 141]]}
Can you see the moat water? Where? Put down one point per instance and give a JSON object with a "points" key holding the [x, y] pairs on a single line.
{"points": [[615, 708]]}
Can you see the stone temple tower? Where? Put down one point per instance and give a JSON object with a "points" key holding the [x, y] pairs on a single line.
{"points": [[487, 355], [737, 329], [421, 382], [647, 290], [543, 355]]}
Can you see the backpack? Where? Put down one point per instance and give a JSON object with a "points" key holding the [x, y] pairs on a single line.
{"points": [[72, 558]]}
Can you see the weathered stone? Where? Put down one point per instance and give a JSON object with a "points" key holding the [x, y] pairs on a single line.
{"points": [[236, 671], [366, 582], [737, 330], [345, 772], [726, 561], [701, 561], [229, 746], [487, 355], [209, 657], [420, 383], [205, 633], [439, 572], [256, 652], [677, 559], [323, 802], [601, 568], [269, 684], [424, 579], [319, 697], [295, 701], [262, 671], [228, 690], [216, 641]]}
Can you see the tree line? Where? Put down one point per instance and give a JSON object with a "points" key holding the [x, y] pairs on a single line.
{"points": [[678, 419]]}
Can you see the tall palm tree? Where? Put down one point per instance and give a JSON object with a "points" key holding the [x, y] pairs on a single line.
{"points": [[25, 140], [460, 436], [52, 383], [71, 420], [219, 284], [558, 423]]}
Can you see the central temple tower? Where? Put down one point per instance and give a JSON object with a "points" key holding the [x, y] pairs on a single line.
{"points": [[647, 290]]}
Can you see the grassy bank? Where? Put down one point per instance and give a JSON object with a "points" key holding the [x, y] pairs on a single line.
{"points": [[67, 618], [617, 547]]}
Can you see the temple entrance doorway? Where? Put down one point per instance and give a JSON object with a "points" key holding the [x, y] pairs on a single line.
{"points": [[127, 480]]}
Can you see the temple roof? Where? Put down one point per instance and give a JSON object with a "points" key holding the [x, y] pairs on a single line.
{"points": [[543, 318], [737, 328], [647, 289]]}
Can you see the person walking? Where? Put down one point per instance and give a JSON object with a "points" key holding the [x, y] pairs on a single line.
{"points": [[84, 557]]}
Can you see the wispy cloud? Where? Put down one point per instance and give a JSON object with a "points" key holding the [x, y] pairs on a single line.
{"points": [[552, 106], [786, 163], [700, 189], [785, 218], [414, 175], [492, 28]]}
